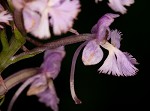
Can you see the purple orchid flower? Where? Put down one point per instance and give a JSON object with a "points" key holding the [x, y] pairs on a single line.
{"points": [[117, 63], [42, 83], [39, 14]]}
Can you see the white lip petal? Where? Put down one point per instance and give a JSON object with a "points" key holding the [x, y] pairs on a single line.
{"points": [[117, 63]]}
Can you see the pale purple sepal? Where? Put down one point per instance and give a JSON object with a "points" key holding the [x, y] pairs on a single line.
{"points": [[49, 97], [62, 15], [52, 62], [31, 20], [43, 88], [92, 53], [102, 27]]}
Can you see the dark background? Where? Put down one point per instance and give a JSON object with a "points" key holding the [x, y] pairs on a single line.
{"points": [[98, 92]]}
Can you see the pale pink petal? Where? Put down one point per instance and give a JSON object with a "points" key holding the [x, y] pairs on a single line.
{"points": [[18, 4], [62, 16], [117, 6], [117, 63], [31, 20], [127, 2], [37, 5], [92, 53], [36, 19], [115, 36], [124, 65], [5, 17], [42, 30]]}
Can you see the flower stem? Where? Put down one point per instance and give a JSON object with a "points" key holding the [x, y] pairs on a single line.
{"points": [[54, 44]]}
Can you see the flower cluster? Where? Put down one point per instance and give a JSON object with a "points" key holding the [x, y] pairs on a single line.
{"points": [[39, 18]]}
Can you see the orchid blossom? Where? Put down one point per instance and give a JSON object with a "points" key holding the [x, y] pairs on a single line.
{"points": [[42, 83], [40, 15], [117, 62]]}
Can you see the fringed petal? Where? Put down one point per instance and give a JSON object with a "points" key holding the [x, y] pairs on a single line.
{"points": [[110, 65], [62, 15], [5, 17], [117, 63], [130, 58]]}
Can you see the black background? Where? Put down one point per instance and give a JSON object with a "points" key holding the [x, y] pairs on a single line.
{"points": [[98, 92]]}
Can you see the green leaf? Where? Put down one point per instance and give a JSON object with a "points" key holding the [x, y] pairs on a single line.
{"points": [[4, 40], [16, 42]]}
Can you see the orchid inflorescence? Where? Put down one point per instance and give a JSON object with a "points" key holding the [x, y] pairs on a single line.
{"points": [[44, 18]]}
